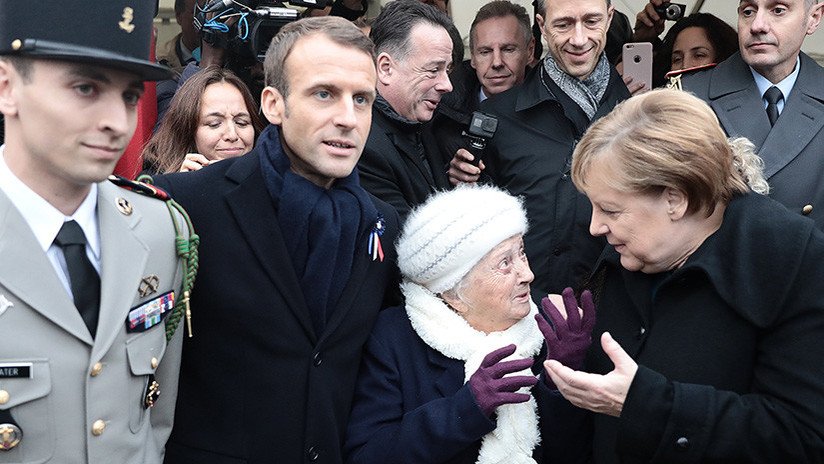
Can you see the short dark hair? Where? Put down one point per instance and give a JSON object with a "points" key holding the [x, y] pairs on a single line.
{"points": [[393, 26], [721, 35], [337, 29], [540, 6], [21, 64], [502, 9]]}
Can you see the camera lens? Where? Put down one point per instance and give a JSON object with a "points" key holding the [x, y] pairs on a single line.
{"points": [[673, 12]]}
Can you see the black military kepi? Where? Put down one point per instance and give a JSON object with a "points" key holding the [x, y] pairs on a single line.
{"points": [[111, 33]]}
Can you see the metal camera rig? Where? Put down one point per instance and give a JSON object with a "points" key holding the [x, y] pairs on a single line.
{"points": [[246, 27]]}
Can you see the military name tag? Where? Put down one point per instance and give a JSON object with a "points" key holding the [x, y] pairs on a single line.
{"points": [[15, 370], [150, 313]]}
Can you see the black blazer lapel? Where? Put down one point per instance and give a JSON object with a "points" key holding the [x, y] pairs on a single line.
{"points": [[256, 218], [406, 146], [357, 279]]}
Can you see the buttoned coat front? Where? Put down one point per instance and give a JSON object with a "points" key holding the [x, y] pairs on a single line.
{"points": [[75, 380], [793, 149], [258, 384]]}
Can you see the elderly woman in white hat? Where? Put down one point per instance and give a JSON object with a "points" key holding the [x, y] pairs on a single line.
{"points": [[451, 376]]}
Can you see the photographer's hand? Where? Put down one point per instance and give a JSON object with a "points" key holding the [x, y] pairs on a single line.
{"points": [[354, 4], [634, 88], [648, 23], [211, 55], [461, 170]]}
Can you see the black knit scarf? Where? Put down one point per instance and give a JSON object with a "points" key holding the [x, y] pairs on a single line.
{"points": [[321, 227]]}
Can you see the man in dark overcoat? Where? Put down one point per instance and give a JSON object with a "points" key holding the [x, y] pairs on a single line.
{"points": [[539, 123], [400, 162], [295, 259]]}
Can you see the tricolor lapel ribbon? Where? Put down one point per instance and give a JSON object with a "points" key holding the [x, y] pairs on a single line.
{"points": [[375, 248]]}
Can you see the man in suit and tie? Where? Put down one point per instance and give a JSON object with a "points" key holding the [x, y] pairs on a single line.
{"points": [[401, 163], [89, 273], [295, 257], [773, 94]]}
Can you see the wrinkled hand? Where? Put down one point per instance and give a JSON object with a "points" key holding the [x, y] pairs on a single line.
{"points": [[603, 394], [492, 389], [193, 162], [461, 171], [570, 334], [648, 23]]}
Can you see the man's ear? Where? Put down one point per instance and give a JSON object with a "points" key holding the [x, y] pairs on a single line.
{"points": [[9, 77], [610, 14], [273, 105], [385, 67], [540, 21], [530, 48], [814, 17]]}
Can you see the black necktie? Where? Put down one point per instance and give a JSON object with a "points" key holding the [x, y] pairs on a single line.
{"points": [[84, 280], [773, 96]]}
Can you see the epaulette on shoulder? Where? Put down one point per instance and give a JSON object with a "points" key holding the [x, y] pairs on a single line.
{"points": [[142, 188], [186, 244], [675, 76]]}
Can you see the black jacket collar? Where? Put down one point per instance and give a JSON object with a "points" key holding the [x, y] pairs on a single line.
{"points": [[759, 242]]}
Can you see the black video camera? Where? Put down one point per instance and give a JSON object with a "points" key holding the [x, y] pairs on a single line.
{"points": [[481, 128], [671, 11], [246, 27]]}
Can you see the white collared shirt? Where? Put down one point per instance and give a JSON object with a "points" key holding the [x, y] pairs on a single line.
{"points": [[785, 86], [45, 220], [481, 95]]}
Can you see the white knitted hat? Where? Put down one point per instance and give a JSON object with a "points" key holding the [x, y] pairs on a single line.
{"points": [[447, 235]]}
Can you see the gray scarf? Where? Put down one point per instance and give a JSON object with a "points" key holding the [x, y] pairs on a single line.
{"points": [[586, 93]]}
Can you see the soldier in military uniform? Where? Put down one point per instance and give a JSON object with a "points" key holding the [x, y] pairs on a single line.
{"points": [[90, 274]]}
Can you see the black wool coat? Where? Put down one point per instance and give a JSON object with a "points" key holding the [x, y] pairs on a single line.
{"points": [[530, 156], [400, 163], [729, 346], [258, 384]]}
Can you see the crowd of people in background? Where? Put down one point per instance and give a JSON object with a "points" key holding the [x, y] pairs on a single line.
{"points": [[610, 272]]}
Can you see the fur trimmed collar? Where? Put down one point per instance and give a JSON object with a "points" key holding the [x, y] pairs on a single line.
{"points": [[445, 331]]}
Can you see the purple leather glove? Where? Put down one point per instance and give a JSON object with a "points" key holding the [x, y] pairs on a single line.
{"points": [[492, 389], [567, 340]]}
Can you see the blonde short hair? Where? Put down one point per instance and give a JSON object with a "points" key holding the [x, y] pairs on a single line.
{"points": [[669, 138]]}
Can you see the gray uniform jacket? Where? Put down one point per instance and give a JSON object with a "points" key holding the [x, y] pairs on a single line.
{"points": [[78, 399], [793, 150]]}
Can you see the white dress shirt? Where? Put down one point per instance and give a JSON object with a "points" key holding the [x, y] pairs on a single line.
{"points": [[45, 220], [785, 86]]}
